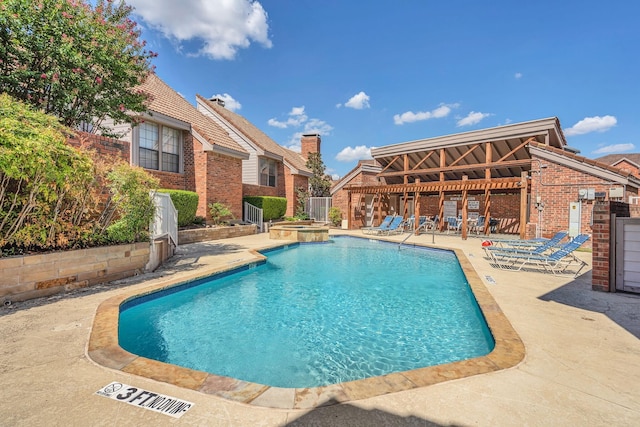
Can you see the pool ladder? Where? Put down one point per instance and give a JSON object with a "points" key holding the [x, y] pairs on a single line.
{"points": [[423, 227]]}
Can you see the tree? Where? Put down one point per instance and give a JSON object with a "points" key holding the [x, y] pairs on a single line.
{"points": [[320, 182], [78, 62]]}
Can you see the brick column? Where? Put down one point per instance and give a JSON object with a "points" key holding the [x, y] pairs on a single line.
{"points": [[600, 246]]}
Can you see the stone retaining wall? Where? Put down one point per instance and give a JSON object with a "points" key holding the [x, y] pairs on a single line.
{"points": [[41, 275], [214, 233]]}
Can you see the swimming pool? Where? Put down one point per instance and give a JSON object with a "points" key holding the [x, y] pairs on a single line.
{"points": [[315, 314]]}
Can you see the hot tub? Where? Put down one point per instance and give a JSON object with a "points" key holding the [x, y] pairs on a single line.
{"points": [[299, 233]]}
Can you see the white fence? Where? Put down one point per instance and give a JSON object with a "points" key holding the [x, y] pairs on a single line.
{"points": [[253, 215], [318, 208], [165, 221]]}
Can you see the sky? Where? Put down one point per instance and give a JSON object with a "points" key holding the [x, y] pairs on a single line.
{"points": [[376, 73]]}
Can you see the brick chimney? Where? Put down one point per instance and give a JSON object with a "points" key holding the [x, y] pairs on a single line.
{"points": [[310, 143]]}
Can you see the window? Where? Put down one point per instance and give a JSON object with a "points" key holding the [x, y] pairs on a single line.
{"points": [[159, 147], [268, 171]]}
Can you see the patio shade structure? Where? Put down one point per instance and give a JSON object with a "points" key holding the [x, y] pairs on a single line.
{"points": [[478, 161]]}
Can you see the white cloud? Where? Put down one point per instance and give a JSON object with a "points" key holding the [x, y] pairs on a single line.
{"points": [[472, 119], [591, 124], [518, 76], [335, 176], [350, 154], [614, 148], [229, 102], [358, 101], [221, 27], [317, 126], [442, 111], [296, 118]]}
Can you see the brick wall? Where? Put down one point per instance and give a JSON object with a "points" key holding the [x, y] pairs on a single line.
{"points": [[102, 145], [601, 240], [505, 207], [259, 190], [557, 186], [629, 167], [218, 179], [41, 275], [297, 181], [340, 200]]}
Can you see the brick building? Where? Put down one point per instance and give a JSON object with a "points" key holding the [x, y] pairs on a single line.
{"points": [[184, 149], [270, 169], [522, 175], [629, 162]]}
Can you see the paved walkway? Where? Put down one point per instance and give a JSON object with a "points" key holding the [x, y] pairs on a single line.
{"points": [[582, 363]]}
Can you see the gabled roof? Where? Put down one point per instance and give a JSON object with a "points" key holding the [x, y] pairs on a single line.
{"points": [[466, 150], [363, 166], [293, 160], [590, 166], [614, 159], [168, 102]]}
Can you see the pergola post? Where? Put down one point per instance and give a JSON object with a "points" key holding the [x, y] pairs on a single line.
{"points": [[465, 209], [488, 158], [443, 163], [349, 210], [416, 211], [379, 203], [523, 204]]}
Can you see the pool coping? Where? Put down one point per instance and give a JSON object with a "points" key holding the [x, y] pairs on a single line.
{"points": [[103, 349]]}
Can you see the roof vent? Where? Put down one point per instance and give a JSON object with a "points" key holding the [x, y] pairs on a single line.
{"points": [[217, 100]]}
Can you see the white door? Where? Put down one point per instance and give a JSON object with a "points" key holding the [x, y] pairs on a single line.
{"points": [[368, 206]]}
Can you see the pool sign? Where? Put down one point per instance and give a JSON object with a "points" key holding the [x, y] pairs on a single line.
{"points": [[145, 399]]}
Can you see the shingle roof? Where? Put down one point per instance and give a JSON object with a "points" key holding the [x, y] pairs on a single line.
{"points": [[592, 162], [369, 165], [612, 159], [256, 135], [168, 102]]}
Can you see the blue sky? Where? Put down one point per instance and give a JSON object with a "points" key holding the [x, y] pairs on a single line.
{"points": [[375, 73]]}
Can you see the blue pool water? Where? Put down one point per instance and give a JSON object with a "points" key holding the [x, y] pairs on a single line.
{"points": [[315, 314]]}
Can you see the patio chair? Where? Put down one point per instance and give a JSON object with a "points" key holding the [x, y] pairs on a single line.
{"points": [[453, 223], [395, 227], [383, 226], [556, 262], [479, 225], [409, 222]]}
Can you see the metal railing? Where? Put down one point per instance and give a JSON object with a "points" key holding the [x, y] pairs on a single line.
{"points": [[166, 218], [253, 215], [318, 208]]}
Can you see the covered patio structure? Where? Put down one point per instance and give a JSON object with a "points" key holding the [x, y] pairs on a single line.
{"points": [[467, 167]]}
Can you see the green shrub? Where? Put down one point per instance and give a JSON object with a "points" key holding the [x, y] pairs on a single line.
{"points": [[186, 203], [46, 187], [130, 188], [220, 213], [272, 207], [335, 216]]}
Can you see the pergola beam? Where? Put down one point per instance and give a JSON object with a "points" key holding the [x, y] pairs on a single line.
{"points": [[478, 166], [437, 186]]}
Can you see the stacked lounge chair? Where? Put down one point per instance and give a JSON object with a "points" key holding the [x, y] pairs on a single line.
{"points": [[532, 243], [395, 227], [556, 261], [383, 226]]}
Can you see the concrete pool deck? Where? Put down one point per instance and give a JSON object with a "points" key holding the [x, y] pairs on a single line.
{"points": [[581, 363]]}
